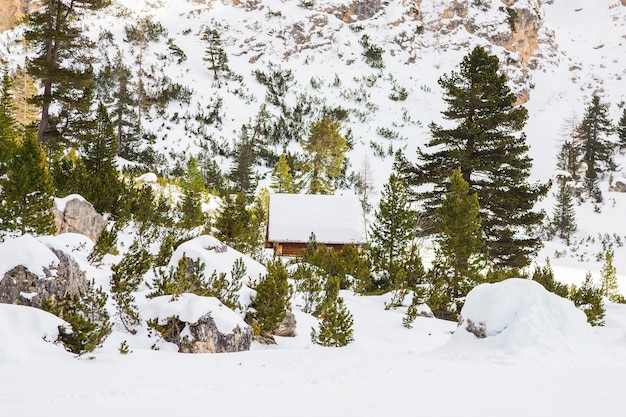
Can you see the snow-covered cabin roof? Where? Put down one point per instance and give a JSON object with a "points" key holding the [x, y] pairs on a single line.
{"points": [[334, 219]]}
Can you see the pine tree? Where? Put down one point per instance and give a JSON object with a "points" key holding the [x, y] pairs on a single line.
{"points": [[460, 248], [569, 159], [391, 233], [27, 191], [593, 136], [234, 221], [214, 54], [282, 180], [325, 154], [487, 145], [608, 279], [193, 189], [621, 130], [9, 131], [335, 328], [545, 276], [124, 115], [591, 185], [271, 301], [62, 65], [24, 90], [563, 221], [589, 299], [102, 184], [242, 171]]}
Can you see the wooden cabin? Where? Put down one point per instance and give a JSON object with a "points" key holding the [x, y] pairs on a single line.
{"points": [[336, 220]]}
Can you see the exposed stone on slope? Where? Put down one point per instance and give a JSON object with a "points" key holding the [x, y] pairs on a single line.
{"points": [[21, 286], [287, 327], [356, 11], [79, 216]]}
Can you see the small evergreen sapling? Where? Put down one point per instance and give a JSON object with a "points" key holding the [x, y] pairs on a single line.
{"points": [[589, 299], [271, 301], [608, 279], [336, 322]]}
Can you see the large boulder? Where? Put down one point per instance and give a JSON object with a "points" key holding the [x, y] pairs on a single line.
{"points": [[197, 324], [74, 214], [31, 273], [287, 327]]}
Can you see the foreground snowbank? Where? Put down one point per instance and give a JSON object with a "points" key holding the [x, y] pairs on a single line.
{"points": [[27, 333], [516, 314]]}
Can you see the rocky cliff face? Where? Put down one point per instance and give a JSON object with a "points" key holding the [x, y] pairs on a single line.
{"points": [[11, 11]]}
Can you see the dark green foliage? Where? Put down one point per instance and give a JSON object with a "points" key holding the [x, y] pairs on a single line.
{"points": [[271, 301], [212, 175], [62, 64], [460, 249], [242, 171], [592, 135], [392, 234], [591, 185], [26, 200], [486, 143], [336, 322], [102, 185], [9, 130], [372, 54], [563, 221], [545, 276], [419, 298], [309, 284], [68, 172], [569, 159], [193, 190], [87, 317], [621, 130], [106, 243], [239, 226], [589, 299], [127, 276], [214, 54]]}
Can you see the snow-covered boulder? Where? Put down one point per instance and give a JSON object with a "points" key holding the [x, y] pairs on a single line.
{"points": [[26, 335], [74, 214], [520, 312], [31, 272], [287, 327], [198, 324]]}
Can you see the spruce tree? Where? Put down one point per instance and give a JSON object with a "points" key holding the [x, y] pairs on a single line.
{"points": [[563, 221], [608, 279], [102, 184], [282, 180], [569, 159], [242, 171], [336, 322], [193, 189], [214, 54], [392, 233], [234, 222], [124, 116], [62, 65], [325, 151], [460, 253], [271, 301], [592, 134], [621, 130], [27, 191], [589, 299], [486, 143], [9, 130]]}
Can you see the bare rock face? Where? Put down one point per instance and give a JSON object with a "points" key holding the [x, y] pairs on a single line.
{"points": [[20, 286], [478, 329], [357, 10], [286, 328], [79, 216], [204, 336], [13, 10], [619, 186]]}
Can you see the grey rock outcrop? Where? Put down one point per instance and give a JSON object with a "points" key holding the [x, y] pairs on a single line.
{"points": [[21, 286], [79, 216], [204, 336], [287, 327], [619, 187]]}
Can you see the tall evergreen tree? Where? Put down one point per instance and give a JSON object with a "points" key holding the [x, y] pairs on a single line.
{"points": [[460, 250], [242, 171], [282, 180], [608, 279], [193, 190], [62, 65], [326, 149], [592, 134], [27, 191], [569, 159], [214, 54], [486, 144], [392, 233], [621, 130], [102, 184], [124, 116], [234, 222], [9, 131], [563, 221]]}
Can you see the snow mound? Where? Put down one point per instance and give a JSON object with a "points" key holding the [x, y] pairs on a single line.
{"points": [[27, 251], [220, 258], [26, 334], [190, 308], [518, 313]]}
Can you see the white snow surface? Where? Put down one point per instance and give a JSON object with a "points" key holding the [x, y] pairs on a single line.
{"points": [[61, 203], [190, 308], [27, 251], [26, 336], [332, 218], [517, 313]]}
